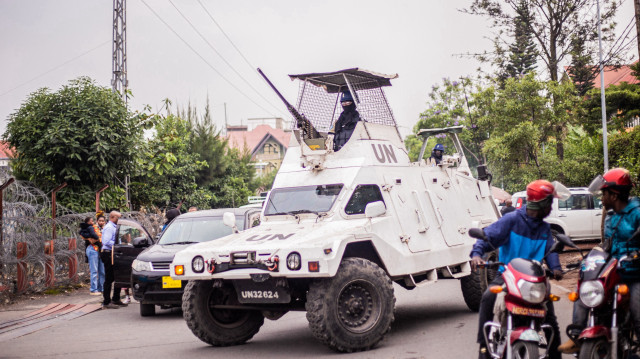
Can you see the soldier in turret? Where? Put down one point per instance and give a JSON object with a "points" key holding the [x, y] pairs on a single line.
{"points": [[343, 128]]}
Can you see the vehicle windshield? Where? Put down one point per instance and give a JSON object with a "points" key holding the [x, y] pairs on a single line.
{"points": [[306, 199], [195, 230]]}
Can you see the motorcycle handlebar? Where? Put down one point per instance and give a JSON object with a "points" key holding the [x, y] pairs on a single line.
{"points": [[490, 264]]}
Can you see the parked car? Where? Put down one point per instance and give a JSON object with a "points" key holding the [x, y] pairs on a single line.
{"points": [[579, 217], [150, 278], [131, 239]]}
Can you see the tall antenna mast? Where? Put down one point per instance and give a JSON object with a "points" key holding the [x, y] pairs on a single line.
{"points": [[119, 81]]}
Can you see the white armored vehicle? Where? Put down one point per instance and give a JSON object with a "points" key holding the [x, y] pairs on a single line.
{"points": [[339, 228]]}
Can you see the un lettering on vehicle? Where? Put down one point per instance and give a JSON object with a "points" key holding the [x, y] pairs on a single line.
{"points": [[384, 153], [268, 237]]}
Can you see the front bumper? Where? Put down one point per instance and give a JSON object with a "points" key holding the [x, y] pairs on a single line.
{"points": [[147, 288]]}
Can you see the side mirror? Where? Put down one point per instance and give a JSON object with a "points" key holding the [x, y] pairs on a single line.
{"points": [[140, 242], [375, 209], [565, 241], [229, 220]]}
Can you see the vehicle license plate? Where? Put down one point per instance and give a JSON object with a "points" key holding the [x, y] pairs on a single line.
{"points": [[168, 282], [266, 292], [534, 312]]}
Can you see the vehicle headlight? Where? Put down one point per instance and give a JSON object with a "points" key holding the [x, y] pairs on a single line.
{"points": [[197, 264], [592, 293], [141, 266], [532, 292], [294, 261]]}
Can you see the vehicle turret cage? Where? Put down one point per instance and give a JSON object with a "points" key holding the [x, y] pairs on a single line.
{"points": [[319, 96]]}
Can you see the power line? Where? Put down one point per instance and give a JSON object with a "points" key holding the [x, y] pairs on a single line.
{"points": [[203, 59], [222, 57], [55, 68], [228, 38], [253, 68]]}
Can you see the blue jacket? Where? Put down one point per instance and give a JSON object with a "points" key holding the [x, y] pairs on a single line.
{"points": [[620, 232], [518, 236]]}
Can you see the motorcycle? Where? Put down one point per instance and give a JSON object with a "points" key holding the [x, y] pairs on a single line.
{"points": [[518, 329], [609, 332]]}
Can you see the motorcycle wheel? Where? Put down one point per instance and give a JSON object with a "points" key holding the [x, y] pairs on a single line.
{"points": [[525, 350], [595, 349]]}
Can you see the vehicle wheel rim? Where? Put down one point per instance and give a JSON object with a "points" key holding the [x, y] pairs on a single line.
{"points": [[359, 306], [226, 318]]}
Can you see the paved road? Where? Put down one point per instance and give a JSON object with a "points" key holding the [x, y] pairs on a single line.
{"points": [[431, 322]]}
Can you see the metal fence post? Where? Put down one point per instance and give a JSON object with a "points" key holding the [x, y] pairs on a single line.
{"points": [[2, 188], [98, 197], [21, 284], [49, 245], [73, 259]]}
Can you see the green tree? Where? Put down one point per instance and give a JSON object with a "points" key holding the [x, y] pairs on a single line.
{"points": [[522, 121], [622, 104], [625, 152], [449, 104], [81, 134], [581, 71], [552, 24], [168, 166], [522, 52]]}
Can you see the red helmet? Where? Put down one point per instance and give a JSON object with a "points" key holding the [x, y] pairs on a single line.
{"points": [[539, 190], [615, 179]]}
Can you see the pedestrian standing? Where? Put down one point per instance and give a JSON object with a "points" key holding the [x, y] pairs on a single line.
{"points": [[92, 250], [101, 221], [108, 240], [508, 207]]}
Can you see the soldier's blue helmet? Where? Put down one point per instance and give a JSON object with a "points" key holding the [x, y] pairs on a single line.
{"points": [[439, 147], [346, 96]]}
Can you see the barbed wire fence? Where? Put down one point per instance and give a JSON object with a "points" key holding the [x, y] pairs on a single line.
{"points": [[27, 234]]}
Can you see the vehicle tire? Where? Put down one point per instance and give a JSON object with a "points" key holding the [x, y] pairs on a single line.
{"points": [[353, 310], [474, 285], [525, 350], [595, 349], [217, 327], [147, 310]]}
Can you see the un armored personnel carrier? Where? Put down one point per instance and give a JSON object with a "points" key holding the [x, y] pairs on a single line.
{"points": [[339, 228]]}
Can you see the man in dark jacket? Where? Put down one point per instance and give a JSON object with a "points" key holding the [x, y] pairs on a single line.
{"points": [[343, 128], [92, 250], [508, 207], [522, 234]]}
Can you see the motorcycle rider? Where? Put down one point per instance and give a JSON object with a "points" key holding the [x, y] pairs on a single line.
{"points": [[520, 234], [623, 219]]}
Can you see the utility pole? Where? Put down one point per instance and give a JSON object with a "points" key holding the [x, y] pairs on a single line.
{"points": [[603, 104], [119, 82]]}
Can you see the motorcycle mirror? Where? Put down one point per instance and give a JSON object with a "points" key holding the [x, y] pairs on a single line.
{"points": [[556, 247], [565, 240], [477, 233]]}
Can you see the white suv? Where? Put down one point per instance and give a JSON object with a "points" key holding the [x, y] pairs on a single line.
{"points": [[579, 217]]}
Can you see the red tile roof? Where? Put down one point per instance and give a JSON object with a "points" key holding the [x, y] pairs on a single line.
{"points": [[251, 139], [613, 76], [5, 150]]}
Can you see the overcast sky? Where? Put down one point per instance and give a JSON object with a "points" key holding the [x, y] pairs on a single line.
{"points": [[46, 43]]}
